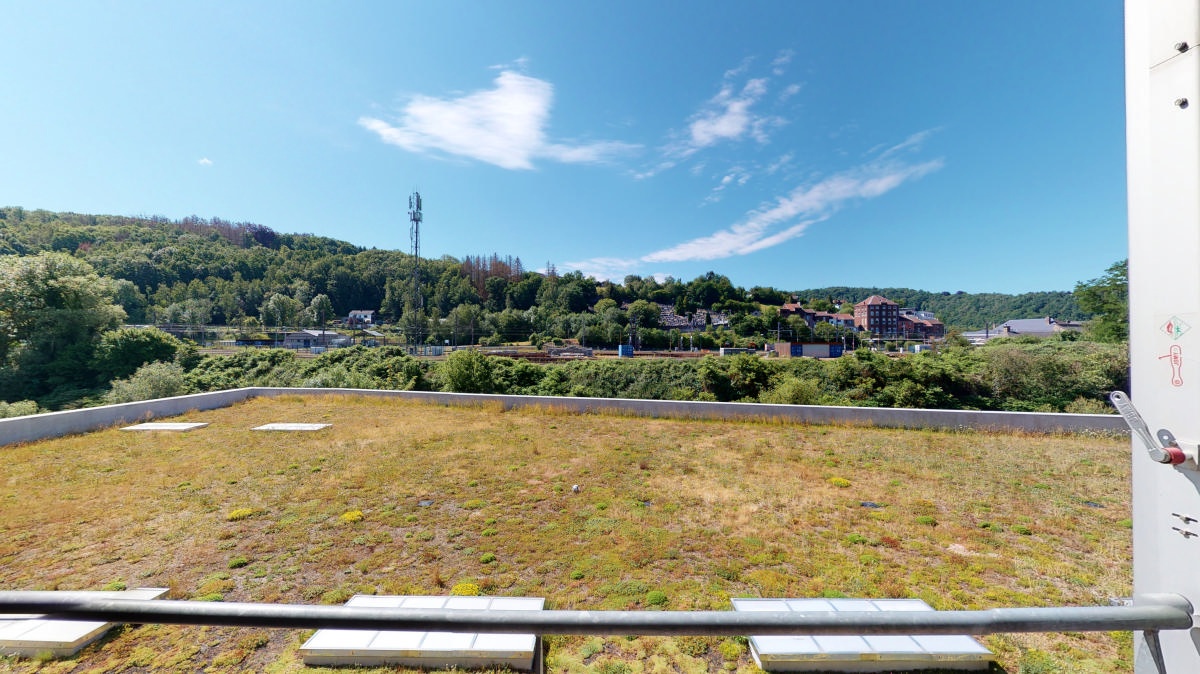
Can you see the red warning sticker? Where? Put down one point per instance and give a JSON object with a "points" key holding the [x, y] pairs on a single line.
{"points": [[1174, 327], [1175, 358]]}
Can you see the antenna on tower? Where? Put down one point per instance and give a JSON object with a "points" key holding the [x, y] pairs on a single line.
{"points": [[414, 234]]}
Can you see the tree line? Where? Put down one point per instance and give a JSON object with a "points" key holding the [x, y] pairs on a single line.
{"points": [[213, 271], [69, 282]]}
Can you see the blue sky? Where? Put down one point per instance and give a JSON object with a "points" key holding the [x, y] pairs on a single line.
{"points": [[939, 145]]}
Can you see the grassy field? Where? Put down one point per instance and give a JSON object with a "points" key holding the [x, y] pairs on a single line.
{"points": [[671, 515]]}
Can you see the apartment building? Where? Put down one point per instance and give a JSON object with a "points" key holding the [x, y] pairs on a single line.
{"points": [[878, 315]]}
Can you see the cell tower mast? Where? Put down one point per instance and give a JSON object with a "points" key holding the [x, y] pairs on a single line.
{"points": [[414, 235]]}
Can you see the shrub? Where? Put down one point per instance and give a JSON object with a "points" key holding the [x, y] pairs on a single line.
{"points": [[351, 516], [151, 381], [840, 482], [238, 562], [467, 371], [793, 391], [656, 598], [856, 539], [114, 586], [465, 590], [927, 520], [121, 352], [475, 504], [487, 558], [1083, 405], [18, 409], [1022, 529]]}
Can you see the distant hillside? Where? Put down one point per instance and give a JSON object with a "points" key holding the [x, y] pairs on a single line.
{"points": [[964, 311], [216, 271]]}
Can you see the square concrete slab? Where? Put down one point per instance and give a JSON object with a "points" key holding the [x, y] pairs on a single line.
{"points": [[29, 636], [291, 427], [426, 649], [859, 653], [178, 427]]}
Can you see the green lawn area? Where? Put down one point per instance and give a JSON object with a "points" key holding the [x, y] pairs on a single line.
{"points": [[699, 511]]}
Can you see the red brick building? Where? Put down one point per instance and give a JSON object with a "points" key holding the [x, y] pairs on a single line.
{"points": [[912, 326], [878, 315]]}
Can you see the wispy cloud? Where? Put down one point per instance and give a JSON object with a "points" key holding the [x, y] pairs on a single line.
{"points": [[789, 215], [728, 116], [779, 163], [504, 126], [782, 59], [204, 161], [737, 176], [733, 114]]}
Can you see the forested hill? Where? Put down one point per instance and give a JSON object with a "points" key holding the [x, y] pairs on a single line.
{"points": [[963, 311], [200, 270]]}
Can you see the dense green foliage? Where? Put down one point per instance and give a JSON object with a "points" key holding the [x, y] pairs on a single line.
{"points": [[1018, 374], [67, 281], [1108, 298], [201, 271], [53, 310]]}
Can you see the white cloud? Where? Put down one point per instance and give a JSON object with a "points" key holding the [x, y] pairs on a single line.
{"points": [[204, 161], [604, 268], [789, 91], [790, 215], [737, 176], [782, 59], [783, 161], [784, 219], [727, 116], [504, 126]]}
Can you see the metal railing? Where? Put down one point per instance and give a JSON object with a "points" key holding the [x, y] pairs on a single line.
{"points": [[1149, 613]]}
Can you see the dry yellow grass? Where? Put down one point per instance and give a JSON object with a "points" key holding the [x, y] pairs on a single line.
{"points": [[697, 510]]}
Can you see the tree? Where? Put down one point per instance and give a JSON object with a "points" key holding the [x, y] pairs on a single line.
{"points": [[280, 310], [321, 309], [467, 372], [825, 332], [495, 287], [121, 352], [1107, 298], [644, 313], [53, 308]]}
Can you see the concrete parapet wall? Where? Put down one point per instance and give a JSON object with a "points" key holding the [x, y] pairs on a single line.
{"points": [[53, 424], [39, 426]]}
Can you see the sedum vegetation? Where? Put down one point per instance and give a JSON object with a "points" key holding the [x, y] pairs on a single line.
{"points": [[670, 515]]}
